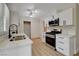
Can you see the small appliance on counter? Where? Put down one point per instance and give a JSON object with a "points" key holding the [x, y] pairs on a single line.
{"points": [[13, 29]]}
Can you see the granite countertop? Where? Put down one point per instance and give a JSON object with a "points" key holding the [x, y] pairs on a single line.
{"points": [[6, 43]]}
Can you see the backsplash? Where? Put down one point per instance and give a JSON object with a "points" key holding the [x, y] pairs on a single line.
{"points": [[69, 30], [65, 29]]}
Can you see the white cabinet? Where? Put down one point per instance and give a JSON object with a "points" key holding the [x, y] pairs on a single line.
{"points": [[1, 9], [66, 17], [65, 45], [25, 50], [1, 18], [4, 18], [43, 36]]}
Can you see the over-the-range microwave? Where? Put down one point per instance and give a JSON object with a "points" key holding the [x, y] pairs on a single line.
{"points": [[54, 22]]}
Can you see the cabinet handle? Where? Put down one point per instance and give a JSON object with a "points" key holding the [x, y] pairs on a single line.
{"points": [[61, 48], [61, 42], [61, 37]]}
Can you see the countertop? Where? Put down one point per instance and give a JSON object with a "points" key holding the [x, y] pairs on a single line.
{"points": [[66, 35], [6, 43]]}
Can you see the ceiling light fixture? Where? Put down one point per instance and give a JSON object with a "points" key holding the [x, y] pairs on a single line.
{"points": [[31, 12]]}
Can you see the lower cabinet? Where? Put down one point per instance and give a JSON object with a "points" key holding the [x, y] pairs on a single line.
{"points": [[25, 50], [65, 45], [43, 37]]}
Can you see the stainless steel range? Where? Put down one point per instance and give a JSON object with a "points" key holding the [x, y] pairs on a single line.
{"points": [[51, 37]]}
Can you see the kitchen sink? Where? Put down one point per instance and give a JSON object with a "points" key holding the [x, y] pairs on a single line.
{"points": [[19, 37]]}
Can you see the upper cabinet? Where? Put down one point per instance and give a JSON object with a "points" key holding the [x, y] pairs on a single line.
{"points": [[66, 17], [4, 18], [62, 18], [1, 18]]}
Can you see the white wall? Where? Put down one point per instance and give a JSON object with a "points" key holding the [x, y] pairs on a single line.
{"points": [[35, 27], [14, 17]]}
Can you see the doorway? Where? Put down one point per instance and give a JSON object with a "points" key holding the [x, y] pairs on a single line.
{"points": [[27, 28]]}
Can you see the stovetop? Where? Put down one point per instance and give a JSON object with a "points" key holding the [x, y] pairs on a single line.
{"points": [[53, 32]]}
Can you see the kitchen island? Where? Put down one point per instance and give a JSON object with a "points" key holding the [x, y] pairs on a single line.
{"points": [[16, 48]]}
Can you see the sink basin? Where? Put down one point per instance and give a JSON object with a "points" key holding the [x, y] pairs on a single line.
{"points": [[18, 37]]}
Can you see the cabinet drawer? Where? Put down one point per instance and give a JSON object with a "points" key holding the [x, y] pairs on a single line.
{"points": [[60, 38], [60, 49], [60, 45], [60, 42]]}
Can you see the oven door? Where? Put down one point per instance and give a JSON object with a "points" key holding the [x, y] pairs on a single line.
{"points": [[50, 41]]}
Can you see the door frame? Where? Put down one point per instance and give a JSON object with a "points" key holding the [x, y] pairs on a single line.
{"points": [[30, 26]]}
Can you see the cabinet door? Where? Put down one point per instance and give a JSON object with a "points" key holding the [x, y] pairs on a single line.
{"points": [[61, 19], [69, 16], [6, 18], [1, 18], [66, 17]]}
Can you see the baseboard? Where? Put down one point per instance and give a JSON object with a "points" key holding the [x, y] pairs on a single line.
{"points": [[35, 38]]}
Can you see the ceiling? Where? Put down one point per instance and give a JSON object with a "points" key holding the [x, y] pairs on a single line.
{"points": [[45, 9]]}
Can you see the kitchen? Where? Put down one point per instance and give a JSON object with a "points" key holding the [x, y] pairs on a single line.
{"points": [[54, 26], [60, 32]]}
